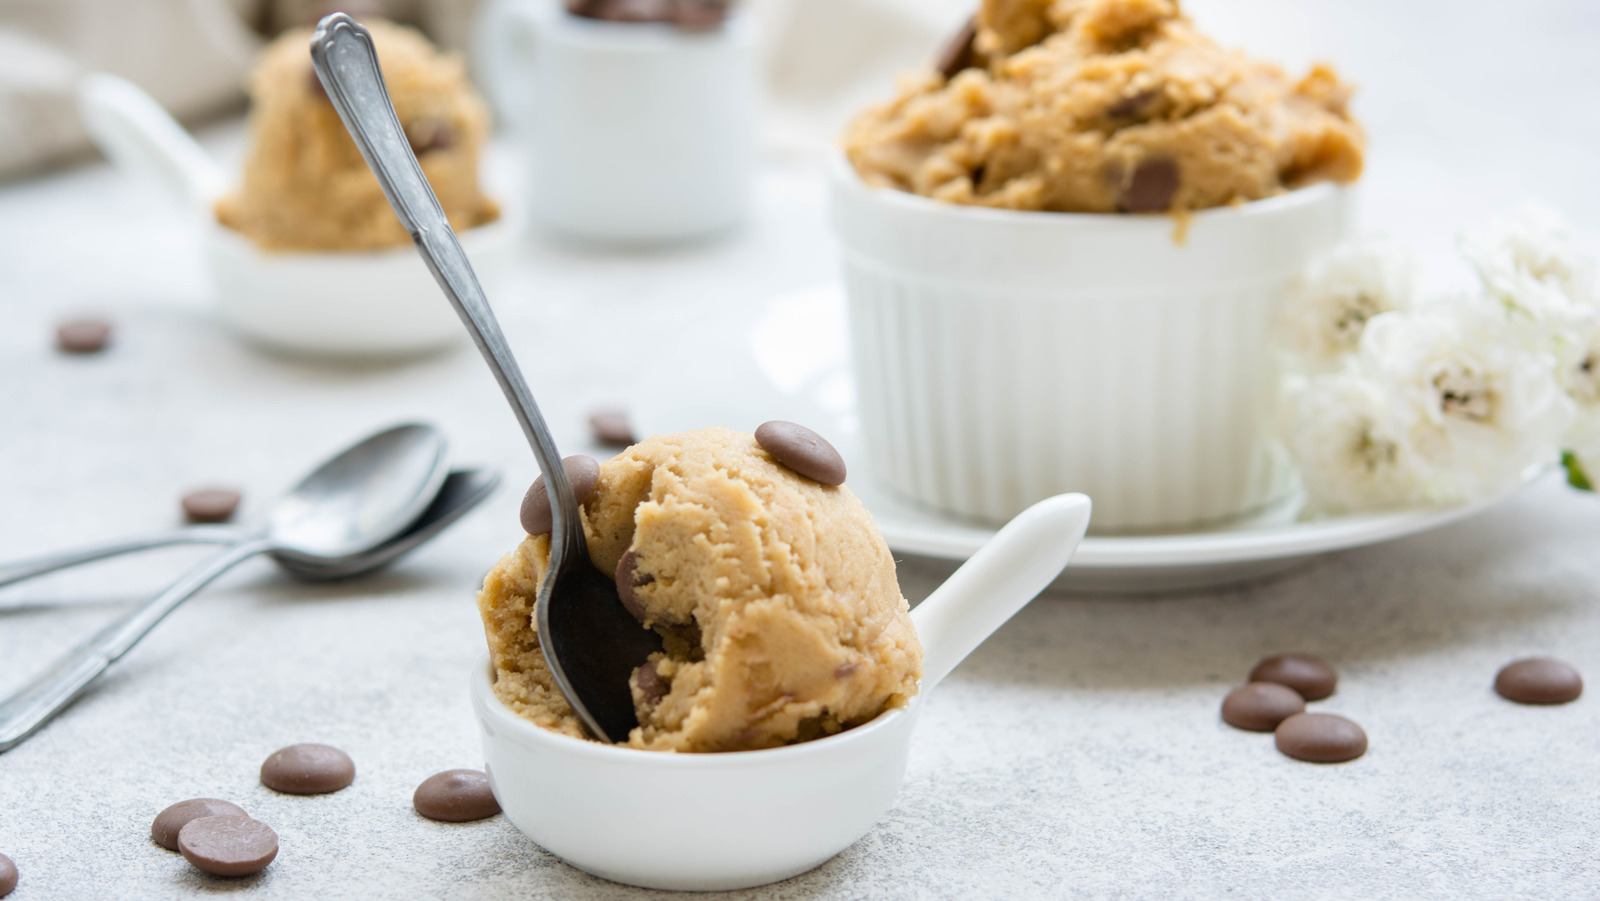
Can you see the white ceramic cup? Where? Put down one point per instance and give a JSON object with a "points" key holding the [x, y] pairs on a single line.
{"points": [[356, 304], [633, 133], [711, 822], [1003, 356]]}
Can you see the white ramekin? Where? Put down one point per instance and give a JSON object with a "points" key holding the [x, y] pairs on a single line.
{"points": [[1002, 357]]}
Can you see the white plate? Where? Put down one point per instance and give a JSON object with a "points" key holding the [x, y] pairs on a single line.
{"points": [[788, 359]]}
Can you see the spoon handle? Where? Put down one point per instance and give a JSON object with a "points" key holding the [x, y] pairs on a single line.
{"points": [[32, 705], [347, 63], [22, 570], [1000, 579]]}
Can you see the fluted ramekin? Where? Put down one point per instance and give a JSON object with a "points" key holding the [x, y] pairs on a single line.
{"points": [[1002, 357]]}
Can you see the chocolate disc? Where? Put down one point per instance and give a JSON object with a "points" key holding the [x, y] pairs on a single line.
{"points": [[649, 687], [83, 336], [1311, 676], [802, 450], [8, 875], [958, 53], [582, 471], [168, 823], [1152, 187], [610, 427], [210, 505], [1320, 738], [1261, 706], [308, 770], [455, 796], [228, 845], [628, 579], [1538, 680]]}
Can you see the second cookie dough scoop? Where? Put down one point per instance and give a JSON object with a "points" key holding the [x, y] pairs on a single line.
{"points": [[591, 641]]}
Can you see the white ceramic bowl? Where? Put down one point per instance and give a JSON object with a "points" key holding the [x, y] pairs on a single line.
{"points": [[362, 304], [350, 304], [1004, 356], [725, 821]]}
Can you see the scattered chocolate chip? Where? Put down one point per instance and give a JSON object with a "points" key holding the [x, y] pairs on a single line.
{"points": [[802, 450], [1152, 187], [1261, 706], [625, 10], [652, 688], [83, 336], [628, 579], [582, 471], [228, 845], [1130, 106], [611, 427], [1312, 677], [8, 876], [1538, 680], [699, 14], [210, 505], [456, 796], [1320, 738], [308, 770], [427, 135], [168, 823], [959, 53]]}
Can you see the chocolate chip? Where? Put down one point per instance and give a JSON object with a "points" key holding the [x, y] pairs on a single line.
{"points": [[628, 579], [802, 450], [624, 10], [210, 505], [582, 472], [1538, 680], [8, 876], [1152, 187], [315, 86], [1130, 106], [228, 845], [428, 135], [1261, 706], [845, 670], [611, 427], [308, 770], [168, 823], [652, 688], [456, 796], [83, 336], [699, 14], [1312, 677], [959, 53], [1320, 738]]}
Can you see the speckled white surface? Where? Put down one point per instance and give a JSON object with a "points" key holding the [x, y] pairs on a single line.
{"points": [[1077, 754]]}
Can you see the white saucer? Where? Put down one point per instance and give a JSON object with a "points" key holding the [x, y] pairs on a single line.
{"points": [[788, 359]]}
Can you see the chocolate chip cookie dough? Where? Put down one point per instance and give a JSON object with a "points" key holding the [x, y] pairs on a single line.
{"points": [[305, 184], [775, 594], [1104, 106]]}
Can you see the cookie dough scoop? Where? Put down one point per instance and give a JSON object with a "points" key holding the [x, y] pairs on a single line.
{"points": [[590, 640]]}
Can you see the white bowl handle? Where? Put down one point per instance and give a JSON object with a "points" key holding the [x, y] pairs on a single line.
{"points": [[141, 137], [1000, 579]]}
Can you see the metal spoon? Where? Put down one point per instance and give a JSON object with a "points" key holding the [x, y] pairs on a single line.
{"points": [[463, 489], [347, 507], [591, 642]]}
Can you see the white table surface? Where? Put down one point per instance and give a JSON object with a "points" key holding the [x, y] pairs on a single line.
{"points": [[1078, 753]]}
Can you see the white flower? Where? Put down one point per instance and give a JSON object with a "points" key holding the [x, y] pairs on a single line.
{"points": [[1341, 290], [1352, 450], [1472, 402], [1531, 262], [1578, 373]]}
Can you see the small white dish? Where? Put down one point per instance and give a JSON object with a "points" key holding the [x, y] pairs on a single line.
{"points": [[790, 360], [713, 822], [338, 304]]}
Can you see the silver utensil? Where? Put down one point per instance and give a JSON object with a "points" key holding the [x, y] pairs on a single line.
{"points": [[349, 506], [591, 642], [463, 489]]}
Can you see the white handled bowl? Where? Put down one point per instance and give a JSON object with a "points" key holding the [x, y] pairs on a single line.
{"points": [[360, 304], [711, 822]]}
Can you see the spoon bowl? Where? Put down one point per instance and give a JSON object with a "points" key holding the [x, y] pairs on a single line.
{"points": [[748, 818]]}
